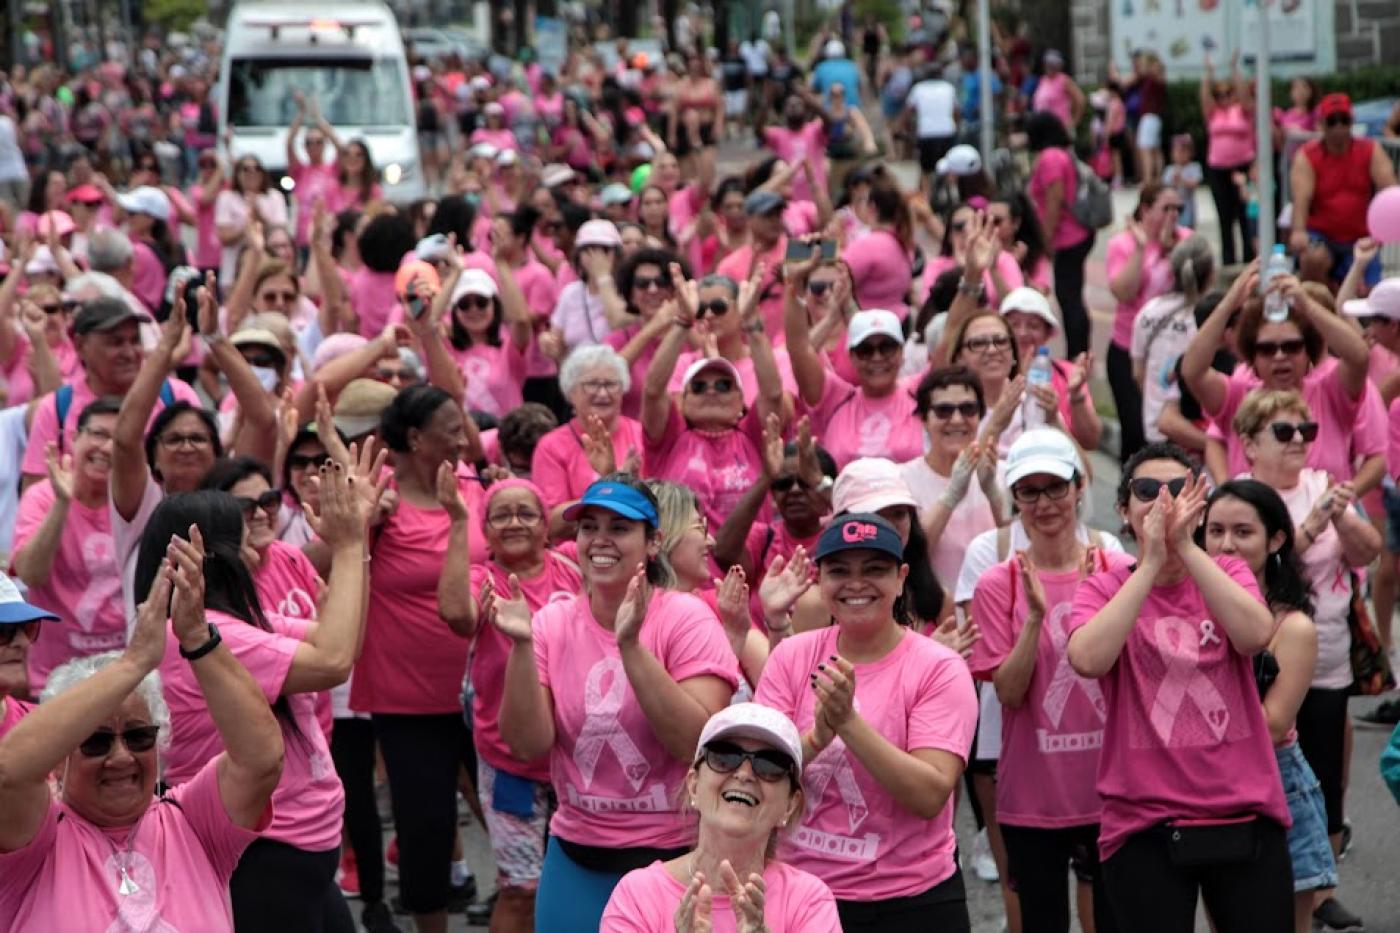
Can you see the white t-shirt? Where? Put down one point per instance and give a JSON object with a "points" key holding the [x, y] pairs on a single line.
{"points": [[12, 441], [933, 102], [1161, 332], [971, 518], [755, 56], [11, 157]]}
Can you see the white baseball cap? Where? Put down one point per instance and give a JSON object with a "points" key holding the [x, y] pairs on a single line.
{"points": [[754, 721], [1384, 301], [1041, 450], [1029, 301], [867, 324], [145, 200], [598, 233], [711, 362], [961, 160], [507, 157], [483, 151], [834, 48], [555, 174], [473, 282]]}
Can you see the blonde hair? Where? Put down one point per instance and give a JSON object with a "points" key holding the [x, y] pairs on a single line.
{"points": [[676, 510], [1262, 404]]}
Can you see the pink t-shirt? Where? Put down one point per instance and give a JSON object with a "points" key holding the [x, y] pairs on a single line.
{"points": [[309, 802], [718, 466], [501, 139], [231, 210], [851, 424], [494, 375], [312, 182], [343, 197], [1392, 454], [287, 583], [853, 834], [1056, 165], [632, 400], [579, 315], [44, 429], [805, 144], [411, 662], [559, 466], [1050, 743], [11, 712], [800, 218], [1230, 132], [17, 375], [972, 516], [207, 248], [374, 300], [1347, 428], [747, 379], [645, 901], [1156, 278], [1052, 95], [880, 272], [147, 275], [181, 857], [737, 266], [618, 787], [560, 580], [1185, 736], [536, 281], [84, 586], [1006, 268]]}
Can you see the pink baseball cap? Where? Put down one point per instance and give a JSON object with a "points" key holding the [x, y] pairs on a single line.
{"points": [[869, 485], [60, 220], [598, 233]]}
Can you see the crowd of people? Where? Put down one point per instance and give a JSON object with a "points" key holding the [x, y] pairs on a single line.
{"points": [[712, 532]]}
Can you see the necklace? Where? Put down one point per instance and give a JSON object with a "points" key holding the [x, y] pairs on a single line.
{"points": [[125, 885]]}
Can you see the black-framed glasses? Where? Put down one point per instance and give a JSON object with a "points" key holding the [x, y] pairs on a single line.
{"points": [[270, 502], [769, 765], [1145, 488], [1026, 495], [645, 283], [174, 441], [285, 298], [1290, 347], [10, 631], [717, 307], [307, 461], [52, 308], [1283, 431], [817, 288], [1338, 119], [502, 520], [720, 386], [944, 411], [787, 481], [137, 739], [958, 226], [992, 344], [467, 302], [873, 348], [101, 435]]}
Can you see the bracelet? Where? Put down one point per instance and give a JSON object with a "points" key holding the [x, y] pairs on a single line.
{"points": [[972, 289], [752, 327], [213, 340], [1078, 399], [215, 639]]}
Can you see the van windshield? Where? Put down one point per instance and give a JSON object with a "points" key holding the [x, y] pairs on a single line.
{"points": [[351, 91]]}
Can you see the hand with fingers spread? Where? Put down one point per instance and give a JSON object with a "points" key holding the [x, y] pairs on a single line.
{"points": [[687, 294], [773, 456], [694, 913], [326, 430], [745, 898], [60, 470], [449, 493], [732, 600], [343, 516], [598, 446], [784, 583], [628, 624], [186, 559], [632, 463], [145, 646], [1188, 509], [834, 682], [750, 290], [1079, 375], [510, 614], [961, 640]]}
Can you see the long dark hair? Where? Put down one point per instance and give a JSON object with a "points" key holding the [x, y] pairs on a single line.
{"points": [[367, 175], [1028, 228], [1286, 587], [891, 208], [923, 597]]}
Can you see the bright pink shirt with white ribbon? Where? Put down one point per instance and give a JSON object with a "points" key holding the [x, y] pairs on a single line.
{"points": [[645, 901]]}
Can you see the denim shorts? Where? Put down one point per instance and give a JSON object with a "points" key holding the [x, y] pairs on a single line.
{"points": [[1308, 845], [1390, 495]]}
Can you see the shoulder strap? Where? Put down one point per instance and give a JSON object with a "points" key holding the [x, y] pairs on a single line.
{"points": [[566, 562], [62, 401], [768, 535], [1003, 543]]}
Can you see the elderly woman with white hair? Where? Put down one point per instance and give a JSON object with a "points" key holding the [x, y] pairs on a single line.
{"points": [[598, 440], [104, 851]]}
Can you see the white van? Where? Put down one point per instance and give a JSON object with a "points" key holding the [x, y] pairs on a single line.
{"points": [[347, 55]]}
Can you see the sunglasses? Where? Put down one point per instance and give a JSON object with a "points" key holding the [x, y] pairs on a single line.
{"points": [[1290, 347], [1145, 489], [468, 302], [872, 349], [958, 226], [502, 520], [1283, 431], [270, 502], [1025, 495], [818, 288], [137, 739], [987, 344], [645, 283], [944, 411], [285, 298], [263, 362], [769, 765], [1338, 119], [10, 632], [721, 386], [51, 309], [717, 307], [786, 483], [307, 461]]}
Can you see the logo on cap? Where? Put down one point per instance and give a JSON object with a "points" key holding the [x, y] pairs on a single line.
{"points": [[856, 532]]}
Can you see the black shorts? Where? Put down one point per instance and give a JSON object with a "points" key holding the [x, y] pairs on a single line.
{"points": [[931, 149]]}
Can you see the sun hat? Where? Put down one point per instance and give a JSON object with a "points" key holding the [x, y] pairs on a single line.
{"points": [[360, 406]]}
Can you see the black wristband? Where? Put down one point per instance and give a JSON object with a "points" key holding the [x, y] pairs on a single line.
{"points": [[215, 639]]}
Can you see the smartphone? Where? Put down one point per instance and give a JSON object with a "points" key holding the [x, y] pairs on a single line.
{"points": [[416, 305], [798, 251], [192, 289]]}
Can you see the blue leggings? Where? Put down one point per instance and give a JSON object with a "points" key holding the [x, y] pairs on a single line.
{"points": [[571, 897]]}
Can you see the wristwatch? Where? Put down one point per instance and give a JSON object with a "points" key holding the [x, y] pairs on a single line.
{"points": [[215, 639]]}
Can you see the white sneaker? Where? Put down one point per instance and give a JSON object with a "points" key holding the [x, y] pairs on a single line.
{"points": [[983, 865]]}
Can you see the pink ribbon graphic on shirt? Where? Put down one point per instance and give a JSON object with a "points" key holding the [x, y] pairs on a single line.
{"points": [[835, 762], [1064, 680], [1179, 644], [136, 911], [602, 727]]}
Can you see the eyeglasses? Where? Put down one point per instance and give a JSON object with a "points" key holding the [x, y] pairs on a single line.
{"points": [[500, 521], [769, 765], [307, 461], [987, 344], [601, 386], [52, 309], [1026, 495], [944, 411], [10, 631], [101, 435], [1145, 488], [1172, 208], [176, 441], [468, 302], [721, 386], [1283, 431], [270, 502], [1338, 119], [1290, 347], [285, 298], [645, 283], [786, 482], [137, 739], [817, 288], [716, 308], [958, 226], [873, 348]]}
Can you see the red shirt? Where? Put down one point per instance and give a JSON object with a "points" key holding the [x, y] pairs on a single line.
{"points": [[1342, 190]]}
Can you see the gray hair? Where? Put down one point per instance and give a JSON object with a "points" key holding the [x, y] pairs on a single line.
{"points": [[108, 250], [1193, 263], [723, 281], [100, 284], [588, 356], [410, 360], [149, 689]]}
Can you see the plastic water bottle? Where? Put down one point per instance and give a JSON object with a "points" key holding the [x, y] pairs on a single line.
{"points": [[1275, 304], [1037, 374]]}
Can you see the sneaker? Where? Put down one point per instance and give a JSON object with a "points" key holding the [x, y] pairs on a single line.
{"points": [[1333, 917], [983, 865], [1346, 840], [378, 919], [461, 896], [479, 914], [348, 877], [391, 860], [1385, 714]]}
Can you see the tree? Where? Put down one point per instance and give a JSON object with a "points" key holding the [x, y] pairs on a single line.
{"points": [[173, 15]]}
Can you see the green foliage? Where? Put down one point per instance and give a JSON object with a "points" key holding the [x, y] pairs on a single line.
{"points": [[174, 15]]}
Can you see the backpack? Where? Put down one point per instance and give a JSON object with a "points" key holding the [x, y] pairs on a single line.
{"points": [[1093, 201], [63, 400]]}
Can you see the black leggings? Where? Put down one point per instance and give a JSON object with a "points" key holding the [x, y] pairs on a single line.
{"points": [[1230, 207], [281, 887], [940, 909], [352, 748], [1322, 727], [422, 754], [1037, 861], [1149, 894], [1127, 398], [1069, 292]]}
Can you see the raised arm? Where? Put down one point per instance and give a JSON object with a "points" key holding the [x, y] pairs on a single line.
{"points": [[730, 539], [656, 400], [1302, 181], [256, 405], [294, 130], [807, 367], [1207, 90], [34, 561], [456, 603], [1209, 386], [1343, 337], [515, 310], [129, 470]]}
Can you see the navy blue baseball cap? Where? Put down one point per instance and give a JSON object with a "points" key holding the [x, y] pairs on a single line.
{"points": [[615, 497], [859, 531], [14, 610]]}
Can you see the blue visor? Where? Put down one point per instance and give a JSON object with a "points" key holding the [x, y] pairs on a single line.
{"points": [[859, 531], [14, 610], [617, 498]]}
